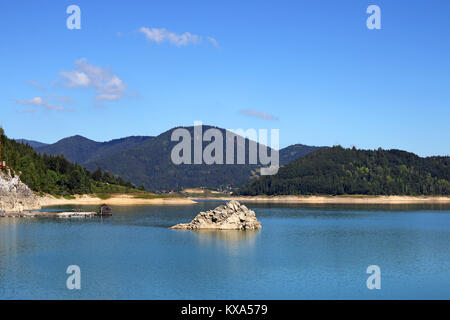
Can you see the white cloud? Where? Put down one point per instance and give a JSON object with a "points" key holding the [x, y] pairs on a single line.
{"points": [[55, 97], [37, 101], [258, 114], [214, 42], [40, 102], [27, 111], [36, 84], [108, 97], [135, 94], [108, 86], [160, 35], [75, 78]]}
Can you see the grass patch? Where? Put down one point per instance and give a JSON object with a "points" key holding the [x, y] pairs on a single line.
{"points": [[103, 196], [155, 196], [207, 195]]}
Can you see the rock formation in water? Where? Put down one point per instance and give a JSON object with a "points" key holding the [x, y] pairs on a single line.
{"points": [[232, 216], [15, 196]]}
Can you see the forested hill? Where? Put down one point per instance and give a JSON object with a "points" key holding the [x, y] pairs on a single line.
{"points": [[147, 161], [81, 150], [338, 171], [56, 175]]}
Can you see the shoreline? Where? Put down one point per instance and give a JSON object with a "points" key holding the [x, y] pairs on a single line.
{"points": [[127, 200], [356, 199], [117, 200]]}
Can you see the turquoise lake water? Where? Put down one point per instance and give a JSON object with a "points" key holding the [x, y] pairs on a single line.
{"points": [[302, 252]]}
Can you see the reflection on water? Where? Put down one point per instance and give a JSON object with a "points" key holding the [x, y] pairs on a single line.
{"points": [[231, 239], [226, 235], [8, 237], [357, 206], [302, 252]]}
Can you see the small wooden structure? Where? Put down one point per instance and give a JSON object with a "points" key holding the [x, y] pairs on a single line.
{"points": [[105, 210], [1, 138], [2, 163]]}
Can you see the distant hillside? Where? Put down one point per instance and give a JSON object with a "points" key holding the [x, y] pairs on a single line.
{"points": [[82, 150], [56, 175], [146, 161], [150, 164], [31, 143], [339, 171], [296, 151]]}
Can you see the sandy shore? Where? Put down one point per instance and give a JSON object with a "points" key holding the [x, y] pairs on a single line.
{"points": [[341, 199], [118, 200], [127, 200]]}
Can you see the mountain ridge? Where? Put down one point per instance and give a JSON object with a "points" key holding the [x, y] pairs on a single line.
{"points": [[145, 160], [32, 143], [80, 149]]}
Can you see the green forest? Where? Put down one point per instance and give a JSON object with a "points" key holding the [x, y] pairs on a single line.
{"points": [[339, 171], [56, 175]]}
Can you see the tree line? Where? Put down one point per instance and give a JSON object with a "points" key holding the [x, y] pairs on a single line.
{"points": [[55, 174], [339, 171]]}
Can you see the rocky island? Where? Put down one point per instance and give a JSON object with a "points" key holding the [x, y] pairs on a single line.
{"points": [[15, 196], [232, 216]]}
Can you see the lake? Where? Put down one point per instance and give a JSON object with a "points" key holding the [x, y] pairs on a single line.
{"points": [[302, 252]]}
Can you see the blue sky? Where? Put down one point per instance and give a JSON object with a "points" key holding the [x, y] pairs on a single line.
{"points": [[310, 68]]}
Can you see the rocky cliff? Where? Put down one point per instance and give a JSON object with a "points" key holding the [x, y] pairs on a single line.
{"points": [[232, 216], [15, 196]]}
